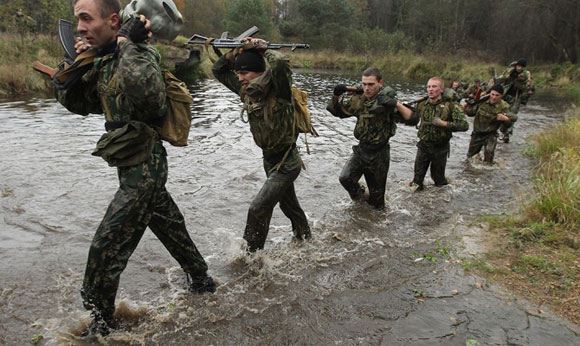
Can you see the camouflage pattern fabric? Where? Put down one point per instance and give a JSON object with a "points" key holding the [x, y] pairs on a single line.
{"points": [[433, 155], [487, 141], [278, 188], [433, 146], [268, 103], [446, 110], [374, 165], [518, 86], [140, 201], [485, 126], [128, 86], [376, 124]]}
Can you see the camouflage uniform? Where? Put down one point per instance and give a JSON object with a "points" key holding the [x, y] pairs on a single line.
{"points": [[433, 146], [376, 123], [518, 88], [485, 126], [268, 103], [128, 86]]}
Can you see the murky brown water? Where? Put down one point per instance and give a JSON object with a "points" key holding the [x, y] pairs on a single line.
{"points": [[361, 279]]}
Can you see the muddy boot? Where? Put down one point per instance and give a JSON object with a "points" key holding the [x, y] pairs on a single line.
{"points": [[200, 284], [100, 326], [420, 187], [302, 234]]}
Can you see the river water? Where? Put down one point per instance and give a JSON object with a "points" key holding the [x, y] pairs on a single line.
{"points": [[367, 277]]}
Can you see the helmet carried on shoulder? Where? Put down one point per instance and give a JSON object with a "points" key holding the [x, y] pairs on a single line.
{"points": [[166, 20]]}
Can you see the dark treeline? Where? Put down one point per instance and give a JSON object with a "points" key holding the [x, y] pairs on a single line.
{"points": [[543, 31]]}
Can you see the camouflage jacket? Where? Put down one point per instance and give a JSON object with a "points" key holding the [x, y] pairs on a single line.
{"points": [[446, 110], [486, 116], [375, 123], [514, 82], [125, 83], [267, 101]]}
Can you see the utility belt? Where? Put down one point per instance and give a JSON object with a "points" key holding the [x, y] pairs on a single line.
{"points": [[274, 158], [126, 143], [372, 147]]}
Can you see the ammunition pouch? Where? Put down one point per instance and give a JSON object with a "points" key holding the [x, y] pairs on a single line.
{"points": [[128, 145]]}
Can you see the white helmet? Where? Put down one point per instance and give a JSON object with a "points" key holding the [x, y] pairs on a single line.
{"points": [[166, 20]]}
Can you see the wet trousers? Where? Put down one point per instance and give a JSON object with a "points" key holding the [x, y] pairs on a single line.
{"points": [[487, 141], [278, 188], [374, 165], [434, 155], [140, 201]]}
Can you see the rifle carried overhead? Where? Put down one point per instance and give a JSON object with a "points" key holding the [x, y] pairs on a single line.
{"points": [[225, 42]]}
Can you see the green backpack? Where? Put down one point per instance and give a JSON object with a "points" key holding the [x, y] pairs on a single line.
{"points": [[177, 121]]}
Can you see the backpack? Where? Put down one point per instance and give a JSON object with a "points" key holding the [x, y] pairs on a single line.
{"points": [[302, 118], [177, 121]]}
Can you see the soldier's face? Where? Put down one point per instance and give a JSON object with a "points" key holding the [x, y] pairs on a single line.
{"points": [[96, 30], [494, 97], [371, 86], [519, 68], [434, 89], [246, 76]]}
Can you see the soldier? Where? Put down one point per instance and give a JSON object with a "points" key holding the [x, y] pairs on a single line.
{"points": [[489, 115], [475, 91], [377, 111], [439, 118], [519, 87], [265, 90], [125, 83]]}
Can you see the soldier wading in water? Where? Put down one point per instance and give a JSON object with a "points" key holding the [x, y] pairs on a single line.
{"points": [[377, 111], [126, 84], [263, 80]]}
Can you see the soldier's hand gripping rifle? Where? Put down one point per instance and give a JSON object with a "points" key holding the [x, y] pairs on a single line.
{"points": [[226, 42]]}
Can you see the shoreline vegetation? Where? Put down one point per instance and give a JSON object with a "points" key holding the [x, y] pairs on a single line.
{"points": [[18, 79], [539, 260], [535, 251]]}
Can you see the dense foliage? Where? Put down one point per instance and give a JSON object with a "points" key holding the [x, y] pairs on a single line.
{"points": [[540, 30]]}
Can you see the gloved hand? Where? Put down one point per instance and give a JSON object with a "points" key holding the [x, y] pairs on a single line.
{"points": [[339, 89], [438, 122], [388, 102], [254, 43], [134, 29]]}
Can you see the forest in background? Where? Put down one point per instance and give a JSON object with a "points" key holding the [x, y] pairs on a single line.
{"points": [[542, 31]]}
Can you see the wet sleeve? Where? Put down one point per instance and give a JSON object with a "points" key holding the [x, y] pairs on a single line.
{"points": [[281, 74], [141, 80], [510, 114], [458, 120], [81, 98], [223, 71], [340, 107]]}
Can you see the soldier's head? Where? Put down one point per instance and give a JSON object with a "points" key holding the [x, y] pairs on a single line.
{"points": [[372, 82], [496, 93], [435, 87], [98, 20], [455, 84], [249, 65], [521, 64]]}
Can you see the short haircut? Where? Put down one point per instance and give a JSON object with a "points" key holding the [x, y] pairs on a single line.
{"points": [[373, 71], [440, 80], [106, 7]]}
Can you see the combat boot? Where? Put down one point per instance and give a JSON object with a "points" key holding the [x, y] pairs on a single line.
{"points": [[200, 284], [99, 326]]}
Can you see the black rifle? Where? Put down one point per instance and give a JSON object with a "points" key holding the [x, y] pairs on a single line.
{"points": [[226, 42]]}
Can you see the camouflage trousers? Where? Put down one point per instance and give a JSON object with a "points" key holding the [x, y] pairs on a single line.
{"points": [[487, 141], [432, 155], [140, 201], [278, 188], [373, 163]]}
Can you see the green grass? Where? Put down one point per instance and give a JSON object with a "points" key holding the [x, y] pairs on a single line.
{"points": [[536, 250]]}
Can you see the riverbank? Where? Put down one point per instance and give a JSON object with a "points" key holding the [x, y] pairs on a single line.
{"points": [[535, 252], [19, 52]]}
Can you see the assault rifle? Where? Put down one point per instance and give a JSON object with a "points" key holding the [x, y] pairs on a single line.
{"points": [[411, 104], [226, 42]]}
